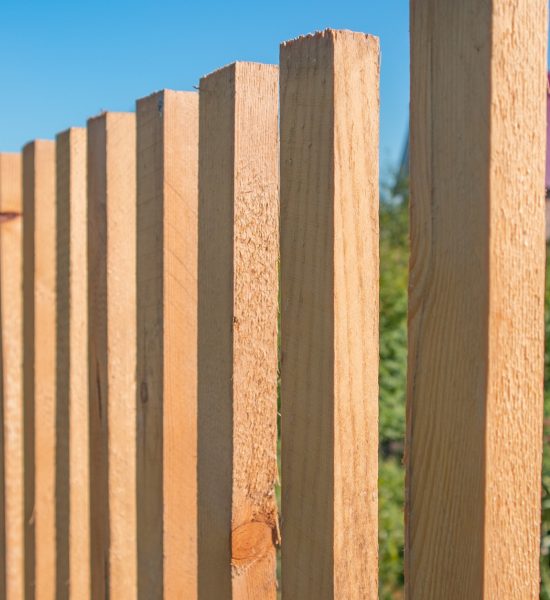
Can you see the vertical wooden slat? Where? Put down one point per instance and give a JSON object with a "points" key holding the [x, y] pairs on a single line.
{"points": [[11, 314], [237, 335], [329, 315], [476, 297], [167, 198], [112, 353], [72, 363], [39, 302]]}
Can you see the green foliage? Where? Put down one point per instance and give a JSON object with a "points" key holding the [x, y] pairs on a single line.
{"points": [[394, 257], [545, 525], [391, 487]]}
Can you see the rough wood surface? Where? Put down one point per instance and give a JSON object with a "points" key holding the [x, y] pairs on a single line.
{"points": [[73, 512], [167, 197], [476, 297], [237, 336], [112, 358], [329, 315], [39, 302], [11, 324]]}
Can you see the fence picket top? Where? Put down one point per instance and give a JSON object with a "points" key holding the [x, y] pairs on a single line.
{"points": [[11, 199], [238, 65], [334, 35]]}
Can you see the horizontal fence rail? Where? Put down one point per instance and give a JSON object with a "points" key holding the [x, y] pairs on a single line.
{"points": [[175, 280]]}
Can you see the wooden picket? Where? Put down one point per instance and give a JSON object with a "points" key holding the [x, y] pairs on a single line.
{"points": [[139, 298], [39, 350], [112, 354], [72, 458], [167, 246], [11, 315], [329, 315], [237, 332], [476, 299]]}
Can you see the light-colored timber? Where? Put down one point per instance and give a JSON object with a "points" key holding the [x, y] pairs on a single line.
{"points": [[476, 299], [112, 353], [167, 254], [237, 332], [39, 387], [73, 518], [11, 324], [329, 315]]}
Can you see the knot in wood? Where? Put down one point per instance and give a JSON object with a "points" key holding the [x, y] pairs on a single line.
{"points": [[250, 542]]}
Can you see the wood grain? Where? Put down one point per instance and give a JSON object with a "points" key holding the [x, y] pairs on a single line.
{"points": [[329, 315], [167, 247], [476, 298], [237, 335], [112, 353], [72, 463], [11, 324], [39, 387]]}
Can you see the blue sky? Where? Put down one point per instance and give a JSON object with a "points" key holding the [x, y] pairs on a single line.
{"points": [[62, 62]]}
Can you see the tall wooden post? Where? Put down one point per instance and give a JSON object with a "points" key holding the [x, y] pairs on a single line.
{"points": [[167, 231], [112, 353], [329, 315], [39, 388], [11, 328], [237, 332], [72, 463], [476, 298]]}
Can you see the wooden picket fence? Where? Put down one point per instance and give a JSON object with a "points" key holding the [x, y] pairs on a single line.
{"points": [[144, 261]]}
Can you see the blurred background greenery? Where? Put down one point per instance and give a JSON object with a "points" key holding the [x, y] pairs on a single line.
{"points": [[394, 262]]}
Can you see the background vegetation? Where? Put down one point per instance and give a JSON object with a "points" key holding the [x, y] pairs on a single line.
{"points": [[394, 260], [393, 352]]}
